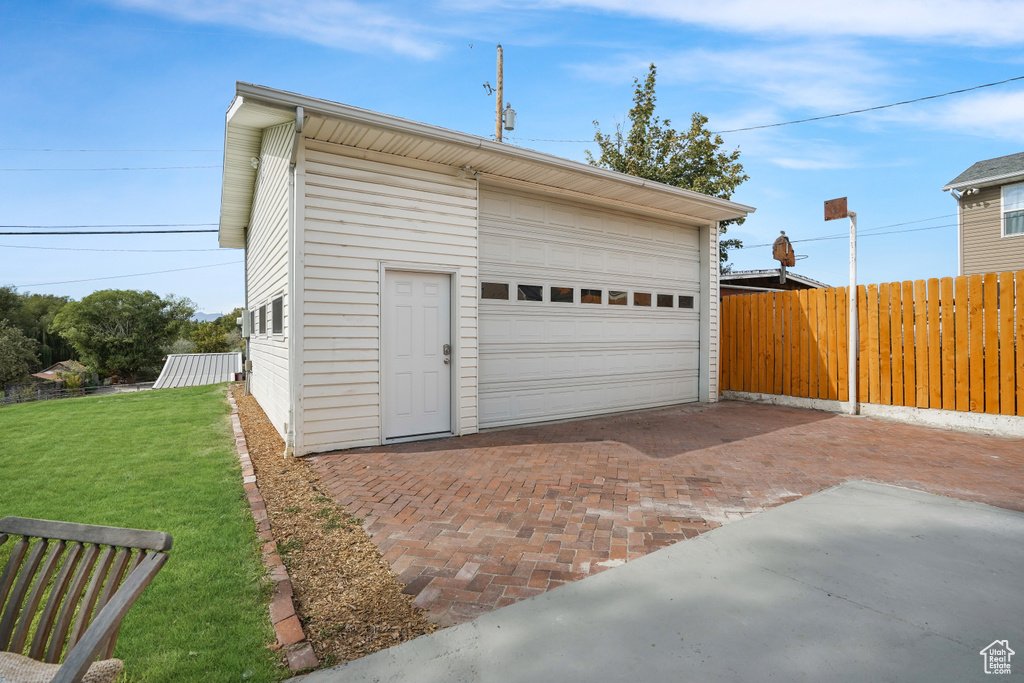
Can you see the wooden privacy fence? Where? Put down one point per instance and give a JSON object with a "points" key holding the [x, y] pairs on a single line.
{"points": [[955, 343], [791, 343]]}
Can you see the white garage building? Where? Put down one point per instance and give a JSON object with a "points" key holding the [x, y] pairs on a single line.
{"points": [[406, 281]]}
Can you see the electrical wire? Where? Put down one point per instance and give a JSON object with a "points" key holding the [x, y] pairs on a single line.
{"points": [[844, 235], [49, 149], [124, 168], [138, 28], [108, 232], [116, 277], [864, 232], [134, 251], [112, 225], [819, 118], [882, 106]]}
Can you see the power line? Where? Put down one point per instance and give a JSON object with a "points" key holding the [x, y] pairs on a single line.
{"points": [[134, 251], [51, 149], [112, 225], [107, 232], [818, 118], [138, 28], [882, 106], [866, 231], [123, 168], [844, 235], [115, 277]]}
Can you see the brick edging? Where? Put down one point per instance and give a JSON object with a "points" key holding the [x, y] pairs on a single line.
{"points": [[290, 635]]}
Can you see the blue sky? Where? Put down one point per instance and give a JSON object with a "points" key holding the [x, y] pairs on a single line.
{"points": [[159, 75]]}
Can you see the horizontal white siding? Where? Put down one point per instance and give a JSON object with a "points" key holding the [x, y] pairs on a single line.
{"points": [[363, 208], [266, 257]]}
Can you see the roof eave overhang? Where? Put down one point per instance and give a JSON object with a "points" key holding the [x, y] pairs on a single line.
{"points": [[1003, 179], [243, 136], [256, 106]]}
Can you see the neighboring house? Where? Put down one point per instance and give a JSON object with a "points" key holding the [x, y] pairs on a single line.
{"points": [[767, 280], [196, 369], [50, 374], [990, 210], [406, 281]]}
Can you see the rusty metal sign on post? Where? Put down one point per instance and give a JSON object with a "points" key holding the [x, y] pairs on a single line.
{"points": [[836, 208]]}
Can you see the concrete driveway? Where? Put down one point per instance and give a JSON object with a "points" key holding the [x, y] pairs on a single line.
{"points": [[475, 523], [862, 582]]}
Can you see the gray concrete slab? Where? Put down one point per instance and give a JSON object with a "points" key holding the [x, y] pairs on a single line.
{"points": [[861, 582]]}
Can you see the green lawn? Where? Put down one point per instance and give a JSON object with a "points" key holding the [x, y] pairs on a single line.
{"points": [[161, 460]]}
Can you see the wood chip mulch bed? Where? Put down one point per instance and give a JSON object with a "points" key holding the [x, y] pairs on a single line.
{"points": [[348, 599]]}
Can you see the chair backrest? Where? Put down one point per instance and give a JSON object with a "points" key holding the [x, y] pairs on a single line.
{"points": [[74, 573]]}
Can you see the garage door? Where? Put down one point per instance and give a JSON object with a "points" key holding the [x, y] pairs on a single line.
{"points": [[583, 311]]}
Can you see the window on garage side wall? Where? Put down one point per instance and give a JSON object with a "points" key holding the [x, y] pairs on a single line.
{"points": [[277, 315]]}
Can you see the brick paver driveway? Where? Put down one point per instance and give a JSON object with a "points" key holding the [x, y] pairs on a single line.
{"points": [[479, 522]]}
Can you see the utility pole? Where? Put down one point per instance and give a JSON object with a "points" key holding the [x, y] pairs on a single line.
{"points": [[501, 92]]}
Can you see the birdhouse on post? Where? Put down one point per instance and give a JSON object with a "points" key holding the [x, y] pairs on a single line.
{"points": [[782, 251]]}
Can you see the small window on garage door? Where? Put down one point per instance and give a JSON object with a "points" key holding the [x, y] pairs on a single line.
{"points": [[563, 295], [494, 290], [531, 293]]}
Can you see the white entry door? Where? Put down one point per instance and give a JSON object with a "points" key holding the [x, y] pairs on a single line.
{"points": [[417, 354]]}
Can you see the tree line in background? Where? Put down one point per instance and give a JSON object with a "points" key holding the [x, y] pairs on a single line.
{"points": [[121, 334]]}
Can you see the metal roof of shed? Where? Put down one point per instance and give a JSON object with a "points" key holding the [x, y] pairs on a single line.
{"points": [[257, 107], [995, 171], [196, 369]]}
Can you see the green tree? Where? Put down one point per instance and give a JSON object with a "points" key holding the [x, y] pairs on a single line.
{"points": [[230, 325], [209, 337], [33, 314], [652, 149], [17, 354], [122, 331]]}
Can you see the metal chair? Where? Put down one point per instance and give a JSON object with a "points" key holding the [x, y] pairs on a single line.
{"points": [[78, 569]]}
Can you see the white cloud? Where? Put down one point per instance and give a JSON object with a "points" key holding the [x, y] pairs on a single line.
{"points": [[816, 76], [973, 22], [774, 84], [334, 23], [985, 114]]}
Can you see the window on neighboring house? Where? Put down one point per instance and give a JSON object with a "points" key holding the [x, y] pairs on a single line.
{"points": [[277, 315], [494, 290], [252, 323], [1013, 209], [263, 319]]}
